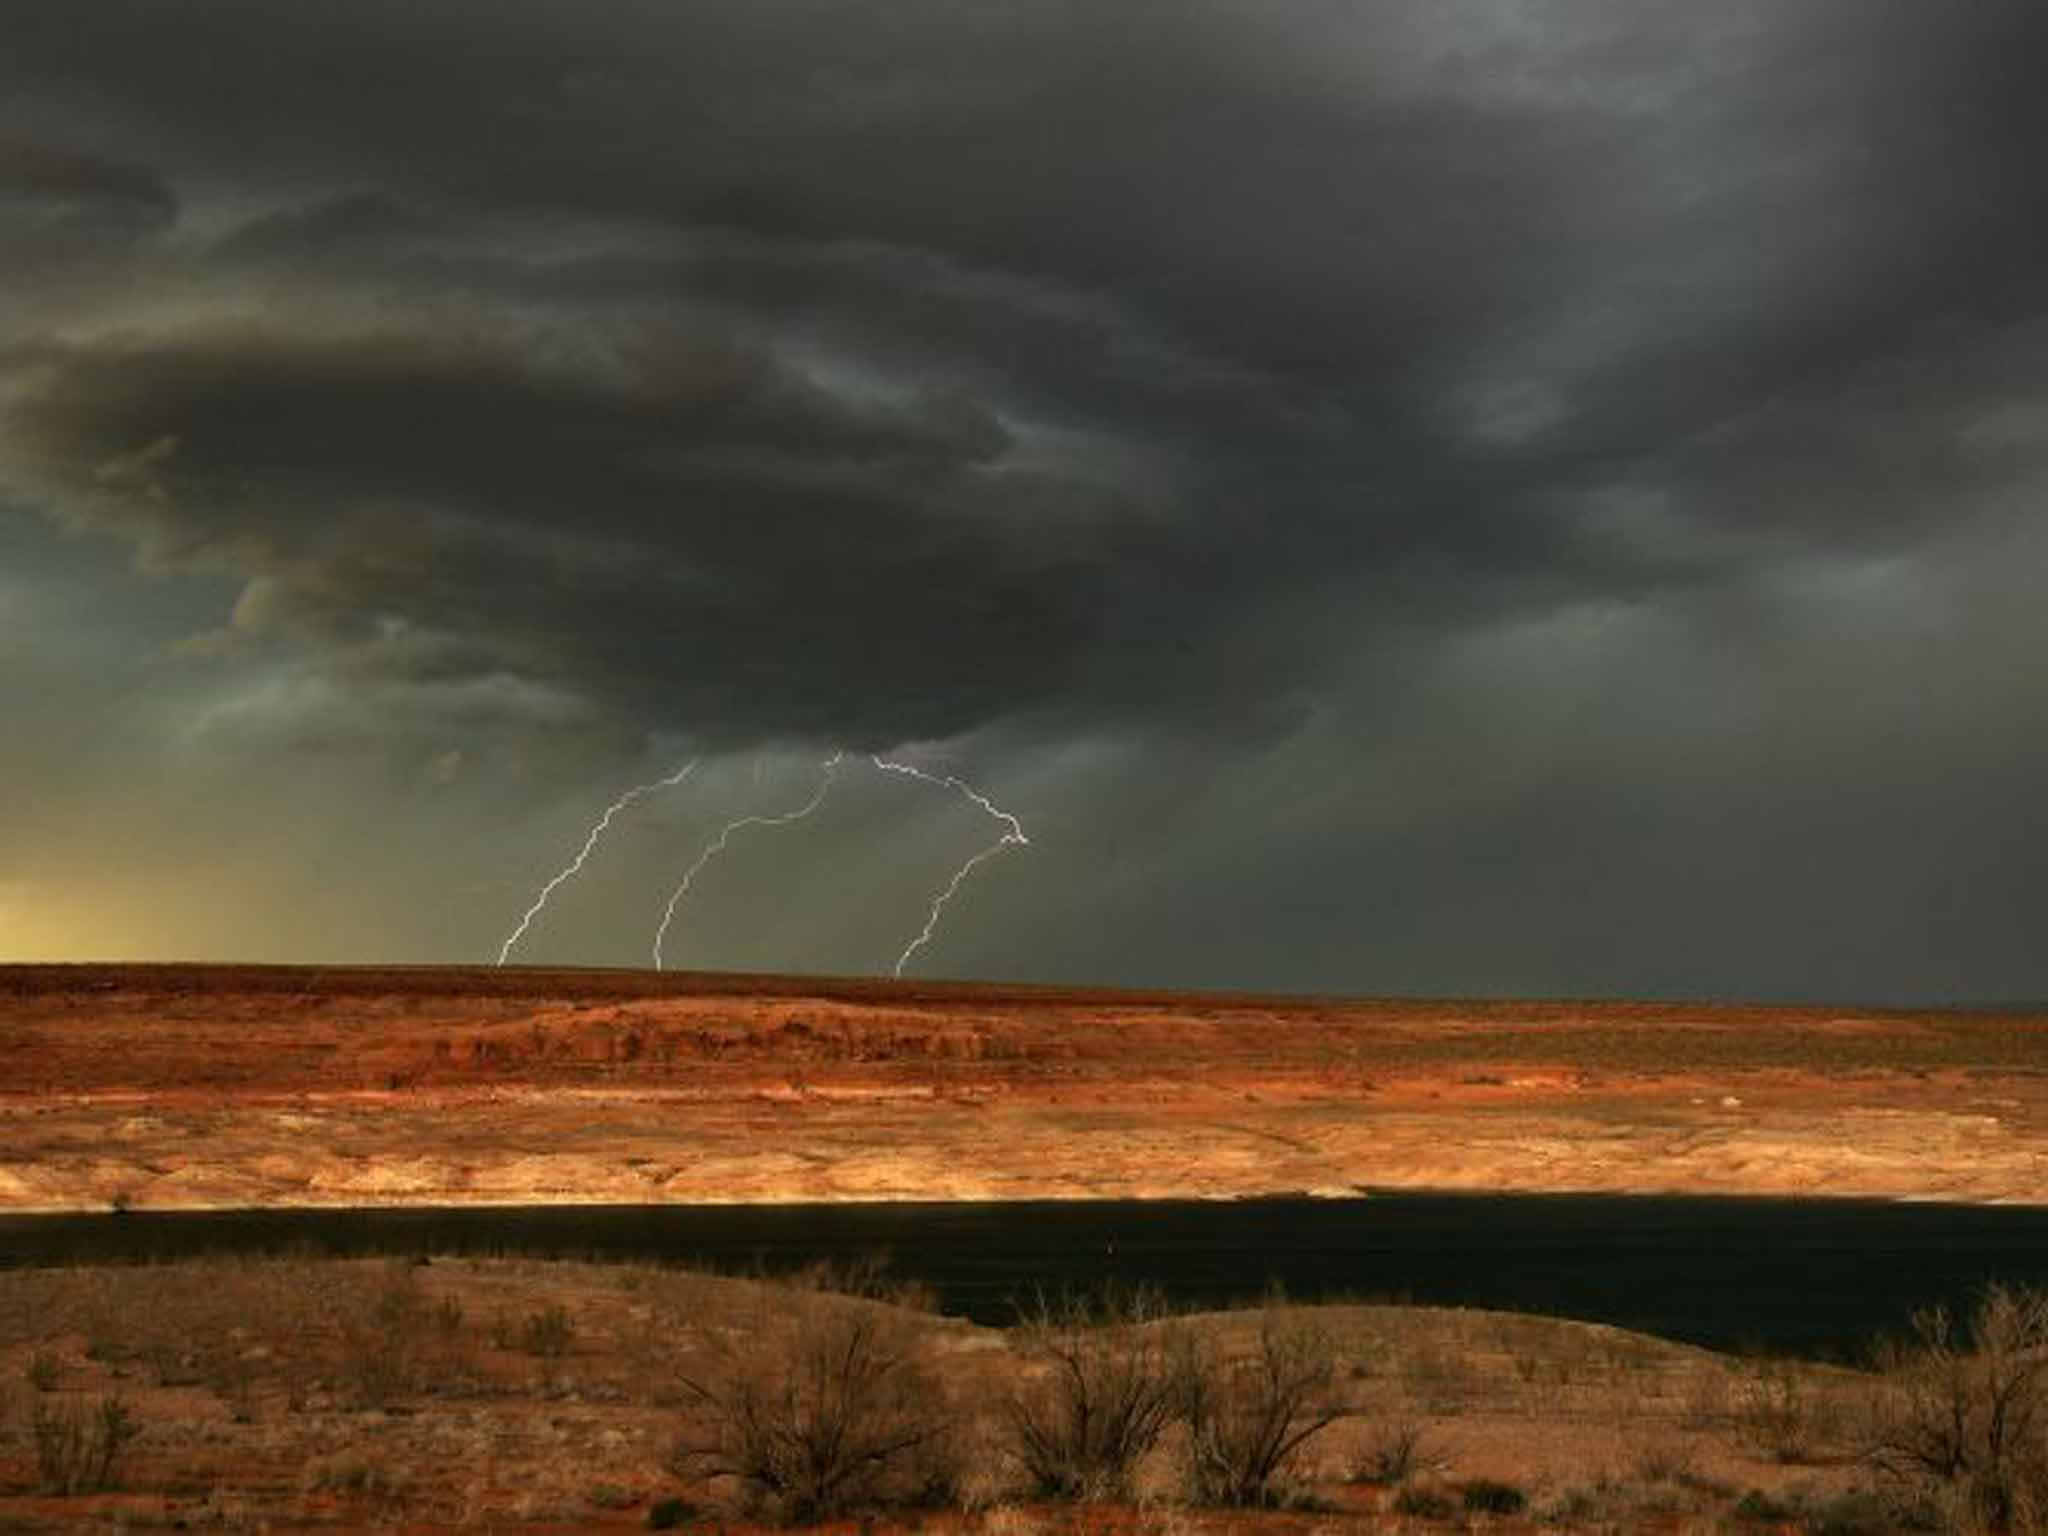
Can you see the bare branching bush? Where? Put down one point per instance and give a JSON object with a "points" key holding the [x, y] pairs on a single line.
{"points": [[1248, 1418], [824, 1409], [1774, 1412], [78, 1447], [1395, 1453], [1103, 1396], [1960, 1424]]}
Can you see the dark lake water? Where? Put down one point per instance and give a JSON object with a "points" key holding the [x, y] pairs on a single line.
{"points": [[1814, 1277]]}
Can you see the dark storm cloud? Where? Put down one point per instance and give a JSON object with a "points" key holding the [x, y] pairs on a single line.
{"points": [[66, 182], [65, 212], [1241, 276], [1172, 373], [687, 528]]}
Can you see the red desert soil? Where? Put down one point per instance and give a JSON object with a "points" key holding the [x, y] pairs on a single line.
{"points": [[192, 1086], [348, 1394]]}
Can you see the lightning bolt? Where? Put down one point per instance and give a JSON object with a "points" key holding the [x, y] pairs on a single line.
{"points": [[717, 846], [590, 842], [1013, 836]]}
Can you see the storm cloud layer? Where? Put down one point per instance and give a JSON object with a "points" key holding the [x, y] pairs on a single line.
{"points": [[1471, 497]]}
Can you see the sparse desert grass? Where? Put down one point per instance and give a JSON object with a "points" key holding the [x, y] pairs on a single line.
{"points": [[352, 1472], [79, 1444], [220, 1324], [1666, 1459], [311, 1391]]}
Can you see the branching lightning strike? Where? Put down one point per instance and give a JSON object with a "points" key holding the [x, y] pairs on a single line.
{"points": [[590, 842], [717, 845], [1013, 836]]}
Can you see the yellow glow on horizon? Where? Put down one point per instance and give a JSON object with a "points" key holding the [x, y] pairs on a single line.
{"points": [[44, 923], [38, 924]]}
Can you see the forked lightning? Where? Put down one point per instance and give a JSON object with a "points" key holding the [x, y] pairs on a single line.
{"points": [[1013, 836], [717, 846], [590, 842]]}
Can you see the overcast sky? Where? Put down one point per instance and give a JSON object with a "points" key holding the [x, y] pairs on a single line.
{"points": [[1467, 497]]}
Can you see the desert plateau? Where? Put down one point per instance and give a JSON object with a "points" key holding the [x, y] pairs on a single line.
{"points": [[193, 1086]]}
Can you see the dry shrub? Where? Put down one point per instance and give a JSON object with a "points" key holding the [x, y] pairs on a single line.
{"points": [[547, 1331], [390, 1340], [1852, 1512], [1395, 1453], [823, 1409], [1775, 1413], [1961, 1425], [1424, 1503], [1249, 1418], [1758, 1507], [77, 1447], [1613, 1503], [1579, 1508], [1490, 1496], [368, 1481], [1666, 1459], [42, 1371], [1103, 1399], [667, 1514], [381, 1338]]}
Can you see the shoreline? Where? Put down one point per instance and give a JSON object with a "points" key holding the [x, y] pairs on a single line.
{"points": [[1361, 1196]]}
